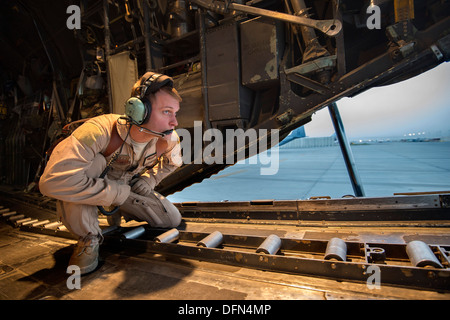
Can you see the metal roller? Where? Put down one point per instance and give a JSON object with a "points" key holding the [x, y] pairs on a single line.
{"points": [[9, 214], [336, 249], [133, 234], [30, 222], [421, 255], [109, 229], [271, 245], [62, 228], [211, 241], [52, 225], [168, 236], [16, 217], [4, 211], [40, 223], [23, 220]]}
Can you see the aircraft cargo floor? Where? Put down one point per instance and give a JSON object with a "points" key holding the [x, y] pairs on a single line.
{"points": [[33, 266]]}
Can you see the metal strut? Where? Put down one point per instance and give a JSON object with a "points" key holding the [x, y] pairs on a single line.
{"points": [[329, 27], [346, 150]]}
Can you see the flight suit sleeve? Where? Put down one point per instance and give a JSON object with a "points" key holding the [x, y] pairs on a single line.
{"points": [[72, 172], [168, 162]]}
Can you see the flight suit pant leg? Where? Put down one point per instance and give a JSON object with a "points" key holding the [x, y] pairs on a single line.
{"points": [[82, 219], [155, 209], [79, 219]]}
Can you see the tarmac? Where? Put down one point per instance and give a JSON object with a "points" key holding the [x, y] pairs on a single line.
{"points": [[384, 169]]}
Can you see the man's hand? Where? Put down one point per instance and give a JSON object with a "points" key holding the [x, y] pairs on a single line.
{"points": [[141, 186]]}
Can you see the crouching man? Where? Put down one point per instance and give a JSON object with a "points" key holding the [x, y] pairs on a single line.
{"points": [[116, 160]]}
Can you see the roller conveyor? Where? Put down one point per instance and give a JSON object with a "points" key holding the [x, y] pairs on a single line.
{"points": [[413, 264], [416, 264]]}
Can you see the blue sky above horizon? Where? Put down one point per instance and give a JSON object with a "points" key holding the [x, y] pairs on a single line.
{"points": [[419, 104]]}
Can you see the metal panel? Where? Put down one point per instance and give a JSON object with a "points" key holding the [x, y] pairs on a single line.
{"points": [[398, 208], [262, 49], [227, 98]]}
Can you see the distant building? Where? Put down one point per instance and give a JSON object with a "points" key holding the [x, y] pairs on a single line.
{"points": [[297, 139]]}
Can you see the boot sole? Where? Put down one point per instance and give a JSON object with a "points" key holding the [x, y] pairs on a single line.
{"points": [[89, 268]]}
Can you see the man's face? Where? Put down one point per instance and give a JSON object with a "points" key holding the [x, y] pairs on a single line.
{"points": [[162, 117]]}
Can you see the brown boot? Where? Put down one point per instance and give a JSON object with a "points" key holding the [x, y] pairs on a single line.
{"points": [[85, 254]]}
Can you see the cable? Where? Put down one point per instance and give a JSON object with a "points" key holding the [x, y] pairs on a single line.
{"points": [[105, 171]]}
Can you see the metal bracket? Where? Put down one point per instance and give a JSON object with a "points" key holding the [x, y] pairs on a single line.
{"points": [[437, 52]]}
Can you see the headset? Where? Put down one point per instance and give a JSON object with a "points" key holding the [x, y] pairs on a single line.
{"points": [[139, 107]]}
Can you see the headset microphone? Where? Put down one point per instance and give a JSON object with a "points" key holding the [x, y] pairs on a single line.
{"points": [[142, 129], [161, 134], [167, 132]]}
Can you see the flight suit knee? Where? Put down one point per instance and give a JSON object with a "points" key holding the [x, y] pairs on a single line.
{"points": [[155, 209]]}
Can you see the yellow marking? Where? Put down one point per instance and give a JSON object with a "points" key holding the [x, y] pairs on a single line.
{"points": [[87, 134]]}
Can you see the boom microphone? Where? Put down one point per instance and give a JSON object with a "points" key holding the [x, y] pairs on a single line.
{"points": [[161, 134], [145, 130]]}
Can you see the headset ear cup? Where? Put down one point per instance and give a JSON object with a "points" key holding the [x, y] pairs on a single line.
{"points": [[136, 110], [148, 110]]}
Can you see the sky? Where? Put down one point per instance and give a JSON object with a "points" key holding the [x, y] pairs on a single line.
{"points": [[419, 104]]}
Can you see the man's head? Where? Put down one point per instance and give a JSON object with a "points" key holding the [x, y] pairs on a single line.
{"points": [[161, 102]]}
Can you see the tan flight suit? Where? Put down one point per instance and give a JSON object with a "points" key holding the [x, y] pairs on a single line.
{"points": [[72, 177]]}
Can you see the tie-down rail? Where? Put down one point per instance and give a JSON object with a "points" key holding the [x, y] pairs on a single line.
{"points": [[414, 265]]}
